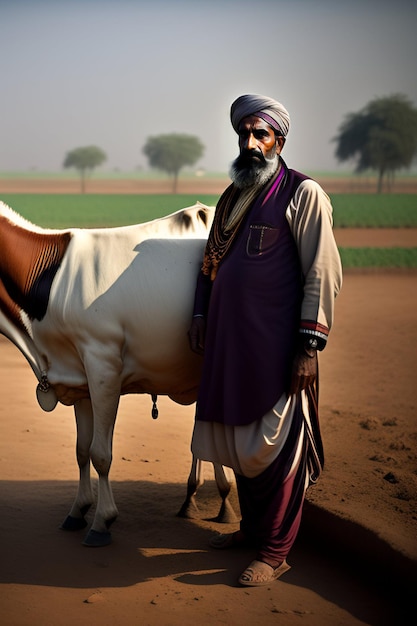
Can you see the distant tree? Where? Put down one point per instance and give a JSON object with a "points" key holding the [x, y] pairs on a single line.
{"points": [[85, 160], [382, 137], [170, 153]]}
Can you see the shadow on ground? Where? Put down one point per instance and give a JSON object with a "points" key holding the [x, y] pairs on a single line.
{"points": [[336, 559]]}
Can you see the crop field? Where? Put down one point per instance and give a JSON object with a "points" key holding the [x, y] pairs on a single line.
{"points": [[351, 211], [92, 210], [379, 257], [98, 210], [374, 211]]}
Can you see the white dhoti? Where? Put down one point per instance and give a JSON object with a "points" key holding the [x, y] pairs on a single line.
{"points": [[249, 449]]}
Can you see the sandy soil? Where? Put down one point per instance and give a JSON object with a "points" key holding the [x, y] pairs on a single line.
{"points": [[358, 538], [203, 185]]}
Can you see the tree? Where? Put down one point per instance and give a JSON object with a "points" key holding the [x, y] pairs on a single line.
{"points": [[170, 153], [85, 160], [382, 137]]}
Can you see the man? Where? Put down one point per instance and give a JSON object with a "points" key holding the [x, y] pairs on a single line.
{"points": [[263, 307]]}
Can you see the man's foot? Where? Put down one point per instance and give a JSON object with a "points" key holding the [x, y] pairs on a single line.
{"points": [[228, 540], [258, 574]]}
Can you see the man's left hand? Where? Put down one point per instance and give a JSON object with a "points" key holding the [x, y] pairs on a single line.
{"points": [[304, 369]]}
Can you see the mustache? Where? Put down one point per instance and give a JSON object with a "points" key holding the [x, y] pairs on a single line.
{"points": [[247, 156]]}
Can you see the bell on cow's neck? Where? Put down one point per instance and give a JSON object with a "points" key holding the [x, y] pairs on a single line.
{"points": [[46, 395]]}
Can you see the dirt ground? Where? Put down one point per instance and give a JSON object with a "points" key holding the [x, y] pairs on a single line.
{"points": [[358, 538], [196, 185]]}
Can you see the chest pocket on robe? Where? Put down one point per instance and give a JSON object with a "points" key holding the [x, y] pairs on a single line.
{"points": [[261, 238]]}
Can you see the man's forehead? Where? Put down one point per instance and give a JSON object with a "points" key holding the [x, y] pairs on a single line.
{"points": [[253, 121]]}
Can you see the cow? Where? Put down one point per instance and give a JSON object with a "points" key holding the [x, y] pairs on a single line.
{"points": [[99, 313]]}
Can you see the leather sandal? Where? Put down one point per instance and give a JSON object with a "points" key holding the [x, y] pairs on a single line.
{"points": [[258, 574]]}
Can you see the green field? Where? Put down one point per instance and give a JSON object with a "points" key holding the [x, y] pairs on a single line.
{"points": [[99, 210], [85, 210], [379, 257], [374, 211]]}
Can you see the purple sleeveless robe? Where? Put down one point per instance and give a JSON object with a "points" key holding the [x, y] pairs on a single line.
{"points": [[253, 314]]}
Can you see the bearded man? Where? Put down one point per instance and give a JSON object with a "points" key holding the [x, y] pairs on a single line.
{"points": [[264, 305]]}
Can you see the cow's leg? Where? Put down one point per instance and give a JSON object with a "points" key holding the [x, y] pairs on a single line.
{"points": [[84, 499], [189, 508], [226, 514], [104, 389]]}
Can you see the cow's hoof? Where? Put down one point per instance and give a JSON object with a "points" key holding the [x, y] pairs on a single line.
{"points": [[96, 539], [226, 514], [189, 510], [73, 523]]}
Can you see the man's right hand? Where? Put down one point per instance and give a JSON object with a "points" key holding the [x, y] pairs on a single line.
{"points": [[197, 334]]}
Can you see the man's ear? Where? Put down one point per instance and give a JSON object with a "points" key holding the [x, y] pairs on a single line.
{"points": [[280, 141]]}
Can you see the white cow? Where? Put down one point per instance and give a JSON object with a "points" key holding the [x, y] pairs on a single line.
{"points": [[99, 313]]}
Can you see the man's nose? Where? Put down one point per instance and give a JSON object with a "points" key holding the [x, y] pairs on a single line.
{"points": [[251, 143]]}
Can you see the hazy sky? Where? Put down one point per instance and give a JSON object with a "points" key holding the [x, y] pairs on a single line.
{"points": [[114, 72]]}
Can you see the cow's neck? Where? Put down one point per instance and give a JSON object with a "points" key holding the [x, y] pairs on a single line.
{"points": [[28, 263]]}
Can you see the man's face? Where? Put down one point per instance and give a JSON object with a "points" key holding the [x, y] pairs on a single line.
{"points": [[258, 157], [257, 139]]}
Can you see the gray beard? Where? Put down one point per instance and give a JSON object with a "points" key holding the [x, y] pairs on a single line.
{"points": [[254, 174]]}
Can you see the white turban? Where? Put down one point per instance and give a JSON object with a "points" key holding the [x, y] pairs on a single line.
{"points": [[271, 111]]}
